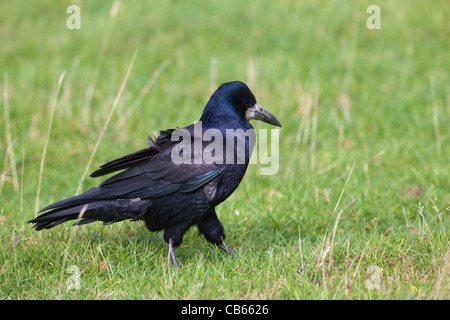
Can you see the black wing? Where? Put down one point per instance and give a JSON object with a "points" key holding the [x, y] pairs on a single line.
{"points": [[150, 173], [159, 176], [156, 145]]}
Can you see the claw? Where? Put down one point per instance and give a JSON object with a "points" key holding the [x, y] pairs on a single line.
{"points": [[227, 250]]}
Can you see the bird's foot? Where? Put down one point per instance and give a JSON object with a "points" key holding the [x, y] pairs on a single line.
{"points": [[227, 250]]}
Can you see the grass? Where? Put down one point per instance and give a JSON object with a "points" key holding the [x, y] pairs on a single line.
{"points": [[363, 178]]}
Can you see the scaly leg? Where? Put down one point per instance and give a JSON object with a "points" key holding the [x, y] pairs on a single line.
{"points": [[173, 256]]}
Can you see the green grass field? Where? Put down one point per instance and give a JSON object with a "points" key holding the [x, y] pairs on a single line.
{"points": [[363, 181]]}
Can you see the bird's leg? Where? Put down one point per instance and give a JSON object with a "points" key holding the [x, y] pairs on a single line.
{"points": [[213, 231], [173, 238], [172, 254]]}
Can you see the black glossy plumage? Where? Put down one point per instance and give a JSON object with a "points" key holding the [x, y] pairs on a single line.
{"points": [[169, 196]]}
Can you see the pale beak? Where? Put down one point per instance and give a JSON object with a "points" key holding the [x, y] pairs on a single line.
{"points": [[257, 112]]}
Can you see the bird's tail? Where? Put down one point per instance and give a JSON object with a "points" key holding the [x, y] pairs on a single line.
{"points": [[89, 207]]}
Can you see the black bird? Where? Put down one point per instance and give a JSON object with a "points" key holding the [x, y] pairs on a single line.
{"points": [[169, 194]]}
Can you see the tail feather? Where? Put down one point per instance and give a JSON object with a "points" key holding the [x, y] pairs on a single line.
{"points": [[107, 211], [95, 194]]}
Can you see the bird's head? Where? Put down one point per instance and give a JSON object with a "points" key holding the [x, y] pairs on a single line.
{"points": [[234, 99]]}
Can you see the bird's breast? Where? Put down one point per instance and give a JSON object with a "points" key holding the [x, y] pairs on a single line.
{"points": [[229, 181]]}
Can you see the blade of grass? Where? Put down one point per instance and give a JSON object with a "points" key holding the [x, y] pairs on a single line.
{"points": [[108, 119], [10, 149], [44, 151], [104, 45]]}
